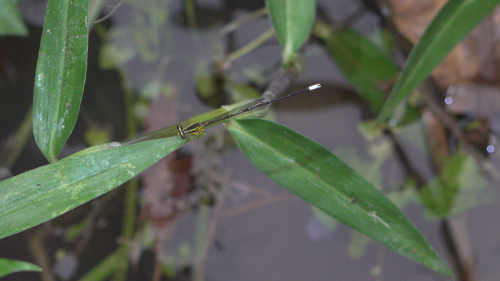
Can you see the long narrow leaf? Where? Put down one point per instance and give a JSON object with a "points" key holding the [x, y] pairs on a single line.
{"points": [[455, 20], [60, 74], [11, 266], [49, 191], [313, 173], [292, 21], [366, 67]]}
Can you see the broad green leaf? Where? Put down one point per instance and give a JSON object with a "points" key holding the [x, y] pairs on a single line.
{"points": [[11, 22], [44, 193], [368, 68], [313, 173], [10, 266], [60, 74], [292, 21], [455, 20]]}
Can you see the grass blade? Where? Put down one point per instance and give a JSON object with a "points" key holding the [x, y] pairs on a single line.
{"points": [[292, 21], [11, 266], [60, 74], [361, 61], [455, 20], [313, 173], [44, 193]]}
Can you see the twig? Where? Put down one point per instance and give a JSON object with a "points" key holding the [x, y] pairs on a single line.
{"points": [[462, 264], [40, 254], [237, 23], [463, 275], [246, 49], [409, 169]]}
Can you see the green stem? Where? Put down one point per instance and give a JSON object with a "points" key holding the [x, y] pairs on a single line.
{"points": [[16, 144], [237, 23], [130, 208], [249, 47], [202, 225]]}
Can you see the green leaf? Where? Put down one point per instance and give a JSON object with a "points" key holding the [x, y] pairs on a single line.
{"points": [[60, 74], [11, 22], [292, 21], [362, 62], [44, 193], [11, 266], [455, 20], [313, 173]]}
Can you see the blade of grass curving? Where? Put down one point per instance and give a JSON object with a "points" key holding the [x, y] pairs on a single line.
{"points": [[49, 191], [60, 74], [313, 173], [361, 61], [455, 20], [11, 22], [10, 266], [292, 21]]}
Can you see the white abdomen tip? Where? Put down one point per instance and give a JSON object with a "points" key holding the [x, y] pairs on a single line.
{"points": [[314, 87]]}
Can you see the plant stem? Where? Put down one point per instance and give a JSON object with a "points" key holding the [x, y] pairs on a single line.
{"points": [[237, 23], [248, 47], [16, 143], [130, 204]]}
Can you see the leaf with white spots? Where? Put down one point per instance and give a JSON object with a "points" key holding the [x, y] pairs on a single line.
{"points": [[313, 173], [44, 193], [60, 74]]}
